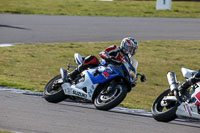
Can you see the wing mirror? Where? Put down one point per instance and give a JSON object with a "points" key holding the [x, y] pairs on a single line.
{"points": [[142, 77]]}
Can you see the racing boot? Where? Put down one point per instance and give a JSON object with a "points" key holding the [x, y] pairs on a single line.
{"points": [[191, 81], [89, 61], [71, 76], [78, 58], [184, 87]]}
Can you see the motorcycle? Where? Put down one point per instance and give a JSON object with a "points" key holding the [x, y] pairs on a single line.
{"points": [[171, 104], [104, 86]]}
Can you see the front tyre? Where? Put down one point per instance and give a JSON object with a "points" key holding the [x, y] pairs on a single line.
{"points": [[54, 95], [161, 113], [106, 101]]}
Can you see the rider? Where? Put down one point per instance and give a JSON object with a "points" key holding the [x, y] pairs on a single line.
{"points": [[112, 54], [191, 81]]}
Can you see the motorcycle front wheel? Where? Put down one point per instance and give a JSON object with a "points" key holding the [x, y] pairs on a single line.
{"points": [[161, 113], [106, 101], [54, 95]]}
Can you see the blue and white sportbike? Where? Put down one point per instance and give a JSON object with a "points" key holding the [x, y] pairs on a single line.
{"points": [[106, 85]]}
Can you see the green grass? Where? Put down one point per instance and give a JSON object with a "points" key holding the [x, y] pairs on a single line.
{"points": [[32, 66], [99, 8], [1, 131]]}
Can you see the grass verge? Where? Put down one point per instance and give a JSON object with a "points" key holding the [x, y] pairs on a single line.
{"points": [[99, 8], [32, 66], [1, 131]]}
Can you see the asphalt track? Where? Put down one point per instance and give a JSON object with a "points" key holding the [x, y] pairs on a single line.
{"points": [[32, 114], [43, 29]]}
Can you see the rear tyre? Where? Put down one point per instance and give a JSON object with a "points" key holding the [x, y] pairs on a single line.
{"points": [[54, 95], [112, 99], [164, 114]]}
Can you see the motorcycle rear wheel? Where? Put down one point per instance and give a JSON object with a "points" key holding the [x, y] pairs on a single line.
{"points": [[164, 114], [108, 101], [54, 95]]}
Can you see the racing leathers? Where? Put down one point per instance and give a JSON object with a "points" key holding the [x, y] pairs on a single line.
{"points": [[112, 54]]}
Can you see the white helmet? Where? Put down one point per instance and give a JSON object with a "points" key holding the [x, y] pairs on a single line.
{"points": [[129, 46]]}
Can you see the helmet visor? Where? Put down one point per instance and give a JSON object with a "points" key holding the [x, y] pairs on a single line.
{"points": [[130, 50]]}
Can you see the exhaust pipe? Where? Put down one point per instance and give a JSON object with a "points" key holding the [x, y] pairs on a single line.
{"points": [[171, 76], [63, 73]]}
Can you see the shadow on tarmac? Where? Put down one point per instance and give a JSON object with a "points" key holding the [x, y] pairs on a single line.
{"points": [[14, 27]]}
